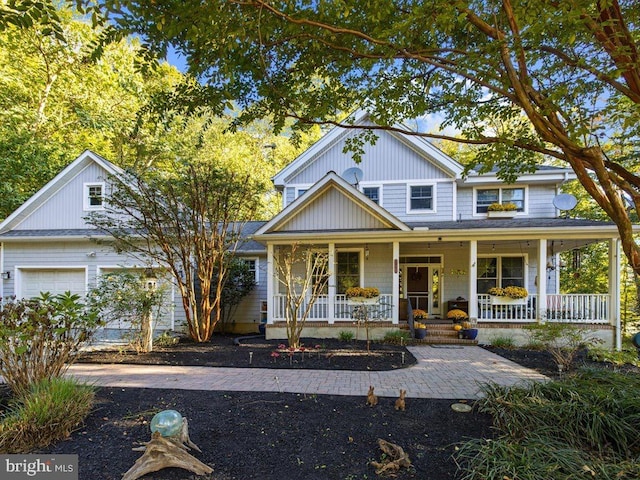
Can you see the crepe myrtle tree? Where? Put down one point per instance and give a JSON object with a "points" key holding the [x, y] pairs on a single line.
{"points": [[188, 221], [520, 81], [302, 272]]}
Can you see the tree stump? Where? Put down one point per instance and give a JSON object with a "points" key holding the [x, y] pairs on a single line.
{"points": [[165, 452], [395, 459]]}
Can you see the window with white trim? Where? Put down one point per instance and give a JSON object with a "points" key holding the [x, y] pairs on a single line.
{"points": [[252, 265], [487, 196], [421, 198], [93, 196], [499, 271], [347, 270], [372, 193]]}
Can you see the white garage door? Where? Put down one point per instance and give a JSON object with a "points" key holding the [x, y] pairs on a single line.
{"points": [[53, 281]]}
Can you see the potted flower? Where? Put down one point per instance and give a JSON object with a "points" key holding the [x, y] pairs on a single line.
{"points": [[457, 315], [468, 330], [511, 295], [420, 330], [360, 295], [502, 210]]}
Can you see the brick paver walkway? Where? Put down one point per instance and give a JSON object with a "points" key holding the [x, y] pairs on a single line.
{"points": [[451, 372]]}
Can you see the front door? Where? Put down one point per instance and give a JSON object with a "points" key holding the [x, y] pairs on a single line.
{"points": [[421, 286], [417, 287]]}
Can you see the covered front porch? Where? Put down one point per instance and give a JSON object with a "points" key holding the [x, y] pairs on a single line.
{"points": [[436, 274]]}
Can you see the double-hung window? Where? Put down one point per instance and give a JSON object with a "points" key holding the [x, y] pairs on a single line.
{"points": [[347, 270], [93, 196], [500, 271], [487, 196], [421, 198], [373, 193], [252, 266]]}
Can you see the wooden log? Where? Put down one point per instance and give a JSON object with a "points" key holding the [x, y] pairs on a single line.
{"points": [[165, 452], [396, 458]]}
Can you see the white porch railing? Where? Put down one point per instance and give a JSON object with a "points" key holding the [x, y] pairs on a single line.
{"points": [[574, 307], [342, 311], [582, 308]]}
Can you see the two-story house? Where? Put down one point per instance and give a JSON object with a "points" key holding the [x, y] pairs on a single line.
{"points": [[403, 220]]}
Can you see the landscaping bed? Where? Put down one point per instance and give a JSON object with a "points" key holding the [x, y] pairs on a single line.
{"points": [[269, 436]]}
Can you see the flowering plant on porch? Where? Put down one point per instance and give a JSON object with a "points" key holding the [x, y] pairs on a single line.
{"points": [[362, 292], [457, 315], [419, 314], [502, 207], [511, 291]]}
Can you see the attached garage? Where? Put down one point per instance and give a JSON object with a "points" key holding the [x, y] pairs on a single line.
{"points": [[32, 281]]}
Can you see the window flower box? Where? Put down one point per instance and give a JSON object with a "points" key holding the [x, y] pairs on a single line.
{"points": [[504, 300], [502, 210], [362, 296], [501, 214]]}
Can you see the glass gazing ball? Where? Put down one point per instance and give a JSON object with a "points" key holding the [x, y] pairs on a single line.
{"points": [[167, 422]]}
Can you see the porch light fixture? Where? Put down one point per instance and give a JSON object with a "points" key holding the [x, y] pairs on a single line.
{"points": [[6, 275], [366, 251]]}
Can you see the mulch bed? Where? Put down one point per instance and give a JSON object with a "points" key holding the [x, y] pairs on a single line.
{"points": [[256, 352], [269, 436]]}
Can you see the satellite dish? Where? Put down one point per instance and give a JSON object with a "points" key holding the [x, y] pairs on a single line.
{"points": [[565, 201], [353, 175]]}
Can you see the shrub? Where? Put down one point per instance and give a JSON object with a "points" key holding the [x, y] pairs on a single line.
{"points": [[555, 429], [561, 340], [345, 335], [623, 357], [503, 342], [49, 411], [166, 339], [397, 337], [40, 337]]}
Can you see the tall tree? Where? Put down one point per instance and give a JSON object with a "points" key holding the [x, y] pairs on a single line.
{"points": [[565, 76], [188, 220], [56, 101]]}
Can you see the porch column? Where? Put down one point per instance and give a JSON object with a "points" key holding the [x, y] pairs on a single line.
{"points": [[395, 308], [271, 282], [331, 301], [541, 306], [614, 290], [473, 275]]}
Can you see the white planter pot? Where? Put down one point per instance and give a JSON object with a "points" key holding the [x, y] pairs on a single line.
{"points": [[362, 300], [501, 300], [501, 214]]}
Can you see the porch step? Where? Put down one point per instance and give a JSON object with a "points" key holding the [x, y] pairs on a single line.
{"points": [[441, 334]]}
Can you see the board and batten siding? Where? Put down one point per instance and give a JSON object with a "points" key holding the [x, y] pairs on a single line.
{"points": [[388, 160], [333, 210], [65, 209]]}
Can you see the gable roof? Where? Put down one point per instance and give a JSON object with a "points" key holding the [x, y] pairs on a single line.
{"points": [[85, 159], [361, 117], [332, 182]]}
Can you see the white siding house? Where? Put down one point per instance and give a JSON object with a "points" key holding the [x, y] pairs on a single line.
{"points": [[407, 223]]}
